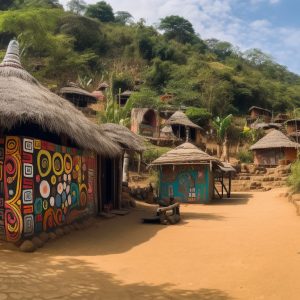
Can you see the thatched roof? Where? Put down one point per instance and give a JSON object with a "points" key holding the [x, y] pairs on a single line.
{"points": [[260, 109], [23, 99], [265, 126], [103, 85], [179, 118], [74, 89], [293, 121], [185, 154], [274, 139], [123, 136]]}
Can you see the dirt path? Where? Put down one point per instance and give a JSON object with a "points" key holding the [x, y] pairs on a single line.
{"points": [[244, 248]]}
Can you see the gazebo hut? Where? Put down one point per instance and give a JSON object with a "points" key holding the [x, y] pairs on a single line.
{"points": [[274, 148], [187, 174], [183, 126], [49, 156]]}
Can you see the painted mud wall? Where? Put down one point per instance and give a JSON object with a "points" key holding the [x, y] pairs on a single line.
{"points": [[187, 184], [43, 186]]}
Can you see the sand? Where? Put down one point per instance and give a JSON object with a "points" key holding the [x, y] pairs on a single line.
{"points": [[244, 248]]}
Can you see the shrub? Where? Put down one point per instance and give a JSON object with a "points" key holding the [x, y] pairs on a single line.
{"points": [[294, 179], [245, 156], [200, 116], [153, 153]]}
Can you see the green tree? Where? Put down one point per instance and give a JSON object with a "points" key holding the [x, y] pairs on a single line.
{"points": [[177, 28], [123, 17], [76, 6], [101, 11], [222, 125]]}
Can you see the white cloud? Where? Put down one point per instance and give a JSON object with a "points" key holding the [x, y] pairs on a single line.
{"points": [[216, 19]]}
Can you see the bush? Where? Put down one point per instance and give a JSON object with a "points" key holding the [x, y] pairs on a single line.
{"points": [[200, 116], [294, 179], [153, 153], [245, 156]]}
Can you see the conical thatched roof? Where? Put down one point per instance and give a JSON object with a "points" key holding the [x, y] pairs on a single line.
{"points": [[23, 99], [123, 136], [179, 118], [274, 139], [185, 154]]}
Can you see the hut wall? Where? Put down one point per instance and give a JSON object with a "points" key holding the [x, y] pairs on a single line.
{"points": [[44, 186], [186, 183], [268, 157], [292, 127], [290, 154]]}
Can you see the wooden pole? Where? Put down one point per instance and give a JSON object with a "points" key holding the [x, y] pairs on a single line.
{"points": [[125, 167]]}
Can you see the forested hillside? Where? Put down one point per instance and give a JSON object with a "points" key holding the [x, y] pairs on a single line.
{"points": [[94, 42]]}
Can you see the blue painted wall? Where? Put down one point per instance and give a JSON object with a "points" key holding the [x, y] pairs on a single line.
{"points": [[187, 184]]}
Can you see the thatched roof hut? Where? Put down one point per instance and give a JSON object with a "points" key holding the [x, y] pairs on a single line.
{"points": [[24, 100], [179, 118], [185, 154], [77, 95], [123, 136], [274, 139]]}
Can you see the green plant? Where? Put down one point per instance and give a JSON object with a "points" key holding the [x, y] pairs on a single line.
{"points": [[200, 116], [294, 179], [153, 153], [245, 156]]}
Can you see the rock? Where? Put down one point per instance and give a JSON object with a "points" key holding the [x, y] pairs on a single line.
{"points": [[44, 237], [38, 243], [59, 232], [27, 246], [52, 235]]}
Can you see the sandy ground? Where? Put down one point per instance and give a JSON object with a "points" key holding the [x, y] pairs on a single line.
{"points": [[244, 248]]}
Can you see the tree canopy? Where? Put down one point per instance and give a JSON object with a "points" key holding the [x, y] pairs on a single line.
{"points": [[101, 11]]}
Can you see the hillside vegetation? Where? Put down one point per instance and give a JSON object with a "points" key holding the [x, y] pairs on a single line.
{"points": [[94, 42]]}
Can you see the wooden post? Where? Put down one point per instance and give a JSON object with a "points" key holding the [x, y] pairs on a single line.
{"points": [[125, 167], [229, 192], [139, 162]]}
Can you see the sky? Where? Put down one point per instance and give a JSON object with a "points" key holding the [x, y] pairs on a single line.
{"points": [[270, 25]]}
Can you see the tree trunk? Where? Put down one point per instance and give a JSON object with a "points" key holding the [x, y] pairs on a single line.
{"points": [[225, 151], [219, 150]]}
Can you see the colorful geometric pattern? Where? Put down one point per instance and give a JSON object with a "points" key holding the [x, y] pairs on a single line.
{"points": [[43, 186]]}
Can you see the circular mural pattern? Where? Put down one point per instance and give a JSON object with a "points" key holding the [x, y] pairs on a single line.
{"points": [[68, 163], [44, 163], [44, 189], [58, 164]]}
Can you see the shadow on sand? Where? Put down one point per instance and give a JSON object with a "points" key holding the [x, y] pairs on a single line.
{"points": [[40, 276], [236, 199]]}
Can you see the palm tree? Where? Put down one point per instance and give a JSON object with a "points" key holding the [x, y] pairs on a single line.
{"points": [[221, 126]]}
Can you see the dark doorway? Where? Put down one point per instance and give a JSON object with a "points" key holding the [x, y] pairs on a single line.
{"points": [[109, 185]]}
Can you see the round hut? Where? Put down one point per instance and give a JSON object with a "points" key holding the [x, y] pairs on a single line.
{"points": [[187, 174], [49, 156], [184, 128], [274, 148]]}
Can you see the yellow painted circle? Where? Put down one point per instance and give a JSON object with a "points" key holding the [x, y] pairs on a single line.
{"points": [[68, 163], [53, 179], [44, 163], [58, 164]]}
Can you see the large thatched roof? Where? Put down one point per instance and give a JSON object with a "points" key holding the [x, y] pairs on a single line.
{"points": [[179, 118], [274, 139], [23, 99], [123, 136], [186, 153]]}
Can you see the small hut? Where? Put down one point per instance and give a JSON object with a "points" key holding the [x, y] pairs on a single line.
{"points": [[50, 156], [188, 174], [145, 122], [167, 133], [123, 97], [260, 113], [183, 128], [81, 98], [274, 148], [292, 126]]}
